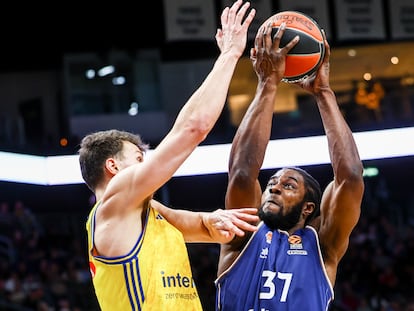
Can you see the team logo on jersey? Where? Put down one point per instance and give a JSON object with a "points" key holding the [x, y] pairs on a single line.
{"points": [[269, 235], [296, 246], [177, 280], [264, 253]]}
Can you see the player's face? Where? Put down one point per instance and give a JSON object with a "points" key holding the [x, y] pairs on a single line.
{"points": [[283, 200], [130, 155]]}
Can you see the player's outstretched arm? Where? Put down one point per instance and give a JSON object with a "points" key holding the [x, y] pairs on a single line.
{"points": [[219, 226]]}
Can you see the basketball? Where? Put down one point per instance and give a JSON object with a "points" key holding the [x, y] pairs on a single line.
{"points": [[304, 58]]}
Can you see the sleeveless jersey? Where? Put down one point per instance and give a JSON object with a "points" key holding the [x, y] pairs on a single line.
{"points": [[276, 271], [155, 275]]}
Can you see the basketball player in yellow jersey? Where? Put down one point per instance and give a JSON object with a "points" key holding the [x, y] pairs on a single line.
{"points": [[138, 260], [154, 275]]}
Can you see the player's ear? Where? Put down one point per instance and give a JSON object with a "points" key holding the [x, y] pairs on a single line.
{"points": [[308, 208], [111, 166]]}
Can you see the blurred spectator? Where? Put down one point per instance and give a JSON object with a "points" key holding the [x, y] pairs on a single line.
{"points": [[6, 219], [27, 221]]}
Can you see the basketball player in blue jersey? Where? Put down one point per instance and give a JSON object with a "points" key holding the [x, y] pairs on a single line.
{"points": [[291, 261], [138, 259]]}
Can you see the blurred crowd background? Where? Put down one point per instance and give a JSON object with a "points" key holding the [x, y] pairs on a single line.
{"points": [[53, 89], [43, 262]]}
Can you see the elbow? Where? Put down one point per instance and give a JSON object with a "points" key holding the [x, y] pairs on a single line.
{"points": [[197, 130], [350, 169], [358, 171], [355, 176], [350, 172], [355, 170], [240, 177]]}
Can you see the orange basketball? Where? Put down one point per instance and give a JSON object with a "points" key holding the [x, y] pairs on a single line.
{"points": [[305, 57]]}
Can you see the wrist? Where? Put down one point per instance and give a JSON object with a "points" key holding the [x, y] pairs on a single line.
{"points": [[204, 220], [268, 84], [230, 54], [324, 92]]}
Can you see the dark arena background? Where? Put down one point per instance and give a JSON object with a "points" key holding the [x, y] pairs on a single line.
{"points": [[53, 90]]}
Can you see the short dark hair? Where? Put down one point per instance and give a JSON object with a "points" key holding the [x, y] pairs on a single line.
{"points": [[313, 192], [97, 147]]}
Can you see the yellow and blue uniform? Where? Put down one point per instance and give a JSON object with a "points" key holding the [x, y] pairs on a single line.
{"points": [[154, 275]]}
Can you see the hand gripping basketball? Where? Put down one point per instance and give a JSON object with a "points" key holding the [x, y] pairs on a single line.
{"points": [[304, 59]]}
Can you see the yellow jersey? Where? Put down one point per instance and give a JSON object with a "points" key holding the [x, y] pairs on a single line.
{"points": [[154, 275]]}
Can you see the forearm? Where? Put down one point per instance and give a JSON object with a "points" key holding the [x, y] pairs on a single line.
{"points": [[191, 226], [253, 133], [343, 150], [189, 223], [219, 226]]}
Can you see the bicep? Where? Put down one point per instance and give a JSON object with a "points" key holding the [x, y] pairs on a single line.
{"points": [[340, 212]]}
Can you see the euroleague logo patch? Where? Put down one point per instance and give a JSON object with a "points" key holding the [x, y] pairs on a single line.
{"points": [[295, 239], [295, 246]]}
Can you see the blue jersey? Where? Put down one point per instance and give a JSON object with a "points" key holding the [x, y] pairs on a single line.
{"points": [[276, 271]]}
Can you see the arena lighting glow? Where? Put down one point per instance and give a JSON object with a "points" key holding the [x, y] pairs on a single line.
{"points": [[211, 159], [370, 172]]}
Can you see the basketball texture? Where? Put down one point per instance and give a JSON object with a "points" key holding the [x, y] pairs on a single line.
{"points": [[304, 58]]}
